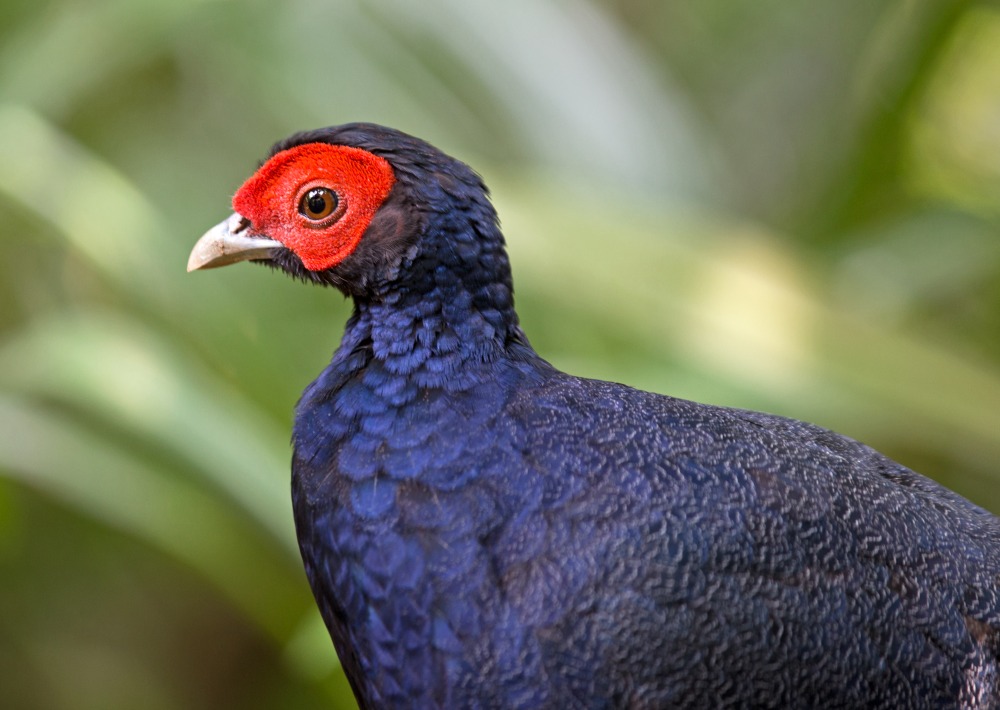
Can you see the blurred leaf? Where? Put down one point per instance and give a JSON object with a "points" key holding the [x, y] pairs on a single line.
{"points": [[102, 216], [579, 94], [894, 72], [955, 132], [91, 40], [904, 263], [50, 453], [126, 375]]}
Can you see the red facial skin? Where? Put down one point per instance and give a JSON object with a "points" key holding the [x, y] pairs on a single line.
{"points": [[270, 199]]}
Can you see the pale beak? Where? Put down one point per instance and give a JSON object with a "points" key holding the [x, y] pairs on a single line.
{"points": [[229, 242]]}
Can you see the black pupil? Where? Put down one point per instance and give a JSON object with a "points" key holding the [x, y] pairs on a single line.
{"points": [[319, 202]]}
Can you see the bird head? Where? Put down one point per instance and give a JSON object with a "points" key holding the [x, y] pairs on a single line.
{"points": [[355, 207]]}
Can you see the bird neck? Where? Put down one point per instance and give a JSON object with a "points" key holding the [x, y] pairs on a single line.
{"points": [[434, 333], [448, 306]]}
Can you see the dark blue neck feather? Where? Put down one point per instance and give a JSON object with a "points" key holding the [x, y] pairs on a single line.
{"points": [[450, 304]]}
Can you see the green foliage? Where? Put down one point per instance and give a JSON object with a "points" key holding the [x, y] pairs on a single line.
{"points": [[783, 206]]}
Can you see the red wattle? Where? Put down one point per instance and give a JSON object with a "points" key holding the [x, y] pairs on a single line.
{"points": [[270, 199]]}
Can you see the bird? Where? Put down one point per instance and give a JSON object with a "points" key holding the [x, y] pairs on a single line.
{"points": [[482, 530]]}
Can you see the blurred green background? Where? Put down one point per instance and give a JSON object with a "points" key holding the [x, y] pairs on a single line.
{"points": [[762, 203]]}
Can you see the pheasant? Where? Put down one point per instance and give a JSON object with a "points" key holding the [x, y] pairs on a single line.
{"points": [[482, 530]]}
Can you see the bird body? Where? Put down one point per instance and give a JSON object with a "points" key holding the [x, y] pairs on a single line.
{"points": [[482, 530]]}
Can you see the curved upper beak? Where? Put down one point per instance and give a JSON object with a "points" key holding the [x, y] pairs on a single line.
{"points": [[228, 242]]}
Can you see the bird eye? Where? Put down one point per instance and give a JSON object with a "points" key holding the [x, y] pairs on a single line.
{"points": [[319, 203]]}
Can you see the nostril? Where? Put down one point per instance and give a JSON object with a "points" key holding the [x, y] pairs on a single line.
{"points": [[237, 223]]}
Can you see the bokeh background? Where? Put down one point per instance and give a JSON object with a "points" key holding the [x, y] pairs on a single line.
{"points": [[771, 204]]}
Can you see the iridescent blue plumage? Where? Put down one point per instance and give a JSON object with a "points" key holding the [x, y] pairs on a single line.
{"points": [[481, 530]]}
